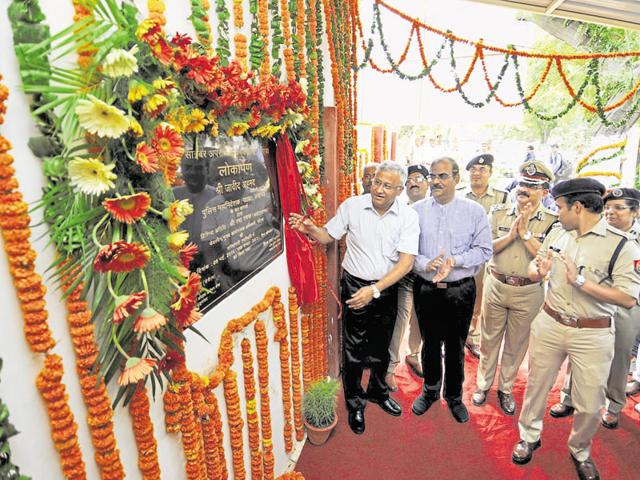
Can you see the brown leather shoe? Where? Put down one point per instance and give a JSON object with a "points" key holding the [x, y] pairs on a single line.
{"points": [[473, 349], [523, 451], [560, 410], [633, 387], [610, 419], [479, 397], [586, 470], [415, 365], [390, 380], [507, 403]]}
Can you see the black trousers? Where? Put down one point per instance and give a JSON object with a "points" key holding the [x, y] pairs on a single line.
{"points": [[366, 334], [444, 316]]}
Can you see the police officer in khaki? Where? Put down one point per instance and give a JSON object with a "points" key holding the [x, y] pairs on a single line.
{"points": [[620, 211], [576, 319], [511, 300], [479, 190]]}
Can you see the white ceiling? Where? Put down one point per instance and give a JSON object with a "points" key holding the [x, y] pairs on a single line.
{"points": [[617, 13]]}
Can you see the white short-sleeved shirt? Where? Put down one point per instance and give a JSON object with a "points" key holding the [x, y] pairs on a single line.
{"points": [[374, 241]]}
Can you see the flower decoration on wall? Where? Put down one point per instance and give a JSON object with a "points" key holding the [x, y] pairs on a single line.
{"points": [[117, 132]]}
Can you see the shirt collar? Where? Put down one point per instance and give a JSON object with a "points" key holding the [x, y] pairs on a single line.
{"points": [[599, 228], [394, 208]]}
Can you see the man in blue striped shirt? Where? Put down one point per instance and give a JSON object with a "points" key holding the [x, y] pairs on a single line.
{"points": [[455, 240]]}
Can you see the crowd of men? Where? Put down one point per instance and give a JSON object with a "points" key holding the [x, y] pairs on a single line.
{"points": [[499, 274]]}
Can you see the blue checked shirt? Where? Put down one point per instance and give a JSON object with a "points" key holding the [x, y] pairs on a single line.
{"points": [[460, 228]]}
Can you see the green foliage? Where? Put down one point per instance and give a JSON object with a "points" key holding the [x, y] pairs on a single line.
{"points": [[8, 471], [320, 401]]}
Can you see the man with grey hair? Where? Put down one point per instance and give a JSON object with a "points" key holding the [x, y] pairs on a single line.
{"points": [[382, 241], [368, 172]]}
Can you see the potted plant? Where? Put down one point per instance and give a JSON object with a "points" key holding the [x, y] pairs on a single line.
{"points": [[319, 409]]}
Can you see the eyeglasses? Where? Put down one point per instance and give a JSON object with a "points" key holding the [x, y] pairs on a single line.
{"points": [[532, 186], [441, 176], [478, 169], [617, 208], [387, 187], [419, 179]]}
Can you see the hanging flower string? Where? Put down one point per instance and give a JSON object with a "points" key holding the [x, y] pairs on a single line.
{"points": [[143, 434], [295, 363], [253, 424], [281, 336], [200, 21], [587, 159], [265, 402], [234, 417]]}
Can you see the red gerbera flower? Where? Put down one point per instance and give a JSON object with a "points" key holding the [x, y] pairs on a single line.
{"points": [[171, 360], [128, 209], [187, 253], [147, 158], [184, 309], [167, 142], [121, 256], [127, 305]]}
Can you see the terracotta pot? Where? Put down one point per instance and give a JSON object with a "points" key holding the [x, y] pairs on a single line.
{"points": [[317, 436]]}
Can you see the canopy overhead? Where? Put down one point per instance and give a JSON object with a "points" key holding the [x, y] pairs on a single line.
{"points": [[616, 13]]}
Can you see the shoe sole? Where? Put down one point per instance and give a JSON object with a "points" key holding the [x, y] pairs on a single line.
{"points": [[524, 461], [610, 426], [561, 415]]}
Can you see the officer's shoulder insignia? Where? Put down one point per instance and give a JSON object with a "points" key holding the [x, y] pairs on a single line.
{"points": [[461, 187], [496, 207], [621, 233]]}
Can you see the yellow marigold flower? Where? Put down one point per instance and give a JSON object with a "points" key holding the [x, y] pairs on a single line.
{"points": [[237, 129], [196, 121], [176, 240], [134, 127], [90, 176], [120, 63], [137, 91], [265, 131], [100, 118]]}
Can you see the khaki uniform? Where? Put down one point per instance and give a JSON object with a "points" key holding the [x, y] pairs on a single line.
{"points": [[509, 305], [491, 197], [627, 323], [590, 350]]}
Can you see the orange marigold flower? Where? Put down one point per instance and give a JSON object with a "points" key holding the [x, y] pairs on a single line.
{"points": [[121, 256], [128, 209], [147, 158], [135, 370], [126, 305], [168, 142], [149, 320]]}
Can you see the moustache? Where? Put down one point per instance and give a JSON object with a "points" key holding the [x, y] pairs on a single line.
{"points": [[523, 193]]}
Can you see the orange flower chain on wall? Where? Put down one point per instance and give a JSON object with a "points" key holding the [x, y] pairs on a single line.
{"points": [[265, 402], [253, 424], [295, 363], [143, 434], [286, 33], [263, 25], [281, 336]]}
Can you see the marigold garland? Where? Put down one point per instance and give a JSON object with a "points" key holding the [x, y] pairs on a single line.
{"points": [[265, 402], [295, 364], [286, 32], [300, 35], [583, 162], [143, 434], [234, 417], [263, 24], [281, 336], [291, 476], [200, 21], [617, 175], [63, 426], [213, 437], [172, 409], [253, 424]]}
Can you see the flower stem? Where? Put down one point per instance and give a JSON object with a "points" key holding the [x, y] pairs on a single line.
{"points": [[114, 337], [94, 232], [145, 285], [110, 287]]}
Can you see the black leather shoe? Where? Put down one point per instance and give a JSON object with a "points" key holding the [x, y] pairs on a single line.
{"points": [[523, 451], [459, 411], [610, 419], [423, 402], [507, 403], [560, 410], [389, 405], [415, 365], [586, 470], [479, 397], [356, 421]]}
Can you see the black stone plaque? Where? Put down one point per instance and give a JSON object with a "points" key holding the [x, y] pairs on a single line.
{"points": [[236, 220]]}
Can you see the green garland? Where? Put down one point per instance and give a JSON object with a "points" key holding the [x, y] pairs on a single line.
{"points": [[277, 38], [200, 20], [318, 42], [295, 44], [595, 161], [223, 49], [8, 471], [256, 45]]}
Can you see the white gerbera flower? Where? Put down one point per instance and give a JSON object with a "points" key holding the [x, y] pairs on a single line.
{"points": [[120, 63], [100, 118], [90, 176]]}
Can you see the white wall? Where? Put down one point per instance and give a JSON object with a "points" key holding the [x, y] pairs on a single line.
{"points": [[33, 448]]}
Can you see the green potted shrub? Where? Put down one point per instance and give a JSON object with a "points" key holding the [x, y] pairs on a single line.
{"points": [[319, 406]]}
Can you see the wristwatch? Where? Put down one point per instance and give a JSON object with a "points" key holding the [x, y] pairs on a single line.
{"points": [[579, 281], [527, 235], [375, 291]]}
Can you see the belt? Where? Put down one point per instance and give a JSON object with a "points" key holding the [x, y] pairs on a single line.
{"points": [[511, 280], [455, 283], [569, 321]]}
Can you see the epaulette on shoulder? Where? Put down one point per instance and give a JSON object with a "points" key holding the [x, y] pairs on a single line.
{"points": [[550, 212], [496, 207], [621, 233]]}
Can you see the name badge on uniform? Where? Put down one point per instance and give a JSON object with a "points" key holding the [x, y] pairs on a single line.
{"points": [[503, 229]]}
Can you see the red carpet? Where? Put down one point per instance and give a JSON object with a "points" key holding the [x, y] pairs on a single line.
{"points": [[434, 446]]}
